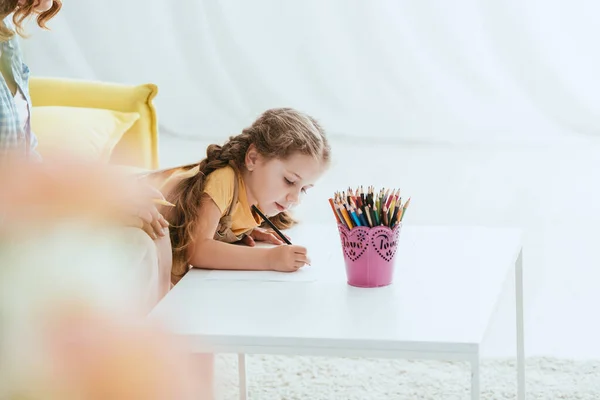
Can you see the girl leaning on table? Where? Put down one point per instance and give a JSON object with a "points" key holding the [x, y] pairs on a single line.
{"points": [[268, 165]]}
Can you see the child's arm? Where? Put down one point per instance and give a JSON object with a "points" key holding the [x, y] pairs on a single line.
{"points": [[205, 252]]}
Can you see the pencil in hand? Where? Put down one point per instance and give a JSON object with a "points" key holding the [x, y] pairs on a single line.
{"points": [[277, 231]]}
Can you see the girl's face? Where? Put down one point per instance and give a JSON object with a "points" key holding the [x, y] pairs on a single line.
{"points": [[275, 185], [39, 6]]}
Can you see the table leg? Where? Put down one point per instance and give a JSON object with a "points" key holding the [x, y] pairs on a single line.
{"points": [[520, 333], [475, 389], [242, 376]]}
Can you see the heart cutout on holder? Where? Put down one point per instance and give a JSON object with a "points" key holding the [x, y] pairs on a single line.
{"points": [[355, 242], [385, 242]]}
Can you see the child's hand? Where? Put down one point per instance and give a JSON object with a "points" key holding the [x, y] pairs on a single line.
{"points": [[288, 258], [262, 235]]}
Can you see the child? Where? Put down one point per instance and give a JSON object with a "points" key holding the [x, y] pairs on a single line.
{"points": [[270, 164]]}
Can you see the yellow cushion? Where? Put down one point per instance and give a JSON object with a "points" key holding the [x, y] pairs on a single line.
{"points": [[139, 145], [87, 133]]}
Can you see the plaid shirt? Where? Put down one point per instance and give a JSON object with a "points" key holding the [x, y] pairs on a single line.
{"points": [[13, 137]]}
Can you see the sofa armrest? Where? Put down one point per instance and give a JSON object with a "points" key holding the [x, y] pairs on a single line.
{"points": [[139, 145]]}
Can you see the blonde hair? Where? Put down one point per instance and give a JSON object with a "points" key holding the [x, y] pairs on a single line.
{"points": [[21, 13], [277, 134]]}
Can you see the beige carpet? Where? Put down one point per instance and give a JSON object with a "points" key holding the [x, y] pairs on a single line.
{"points": [[291, 378]]}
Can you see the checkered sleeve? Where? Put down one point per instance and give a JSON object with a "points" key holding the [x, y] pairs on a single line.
{"points": [[9, 127]]}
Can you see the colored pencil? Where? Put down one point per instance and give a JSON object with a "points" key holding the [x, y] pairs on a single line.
{"points": [[337, 217], [368, 208], [163, 202]]}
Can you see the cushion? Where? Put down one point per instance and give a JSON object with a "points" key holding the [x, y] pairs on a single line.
{"points": [[139, 145], [88, 133]]}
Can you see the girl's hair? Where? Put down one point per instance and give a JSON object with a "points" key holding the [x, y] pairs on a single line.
{"points": [[276, 134], [21, 13]]}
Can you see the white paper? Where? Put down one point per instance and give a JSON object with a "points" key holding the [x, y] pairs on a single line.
{"points": [[304, 274]]}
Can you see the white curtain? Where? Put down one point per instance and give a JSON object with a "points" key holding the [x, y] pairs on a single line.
{"points": [[421, 70]]}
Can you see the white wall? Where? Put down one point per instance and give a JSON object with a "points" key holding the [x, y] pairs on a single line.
{"points": [[410, 70]]}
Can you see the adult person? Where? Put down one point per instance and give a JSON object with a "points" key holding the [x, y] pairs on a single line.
{"points": [[18, 142]]}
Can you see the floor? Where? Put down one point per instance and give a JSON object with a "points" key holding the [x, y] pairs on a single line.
{"points": [[551, 191], [322, 378]]}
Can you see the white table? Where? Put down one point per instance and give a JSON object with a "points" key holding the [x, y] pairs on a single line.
{"points": [[446, 287]]}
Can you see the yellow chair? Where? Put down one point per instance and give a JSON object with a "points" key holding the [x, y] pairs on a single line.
{"points": [[138, 146]]}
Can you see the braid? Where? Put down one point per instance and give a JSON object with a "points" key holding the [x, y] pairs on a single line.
{"points": [[187, 196]]}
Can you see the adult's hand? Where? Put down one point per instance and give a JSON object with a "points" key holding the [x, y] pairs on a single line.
{"points": [[143, 210]]}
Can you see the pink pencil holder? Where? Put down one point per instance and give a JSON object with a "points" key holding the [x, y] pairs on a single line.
{"points": [[369, 254]]}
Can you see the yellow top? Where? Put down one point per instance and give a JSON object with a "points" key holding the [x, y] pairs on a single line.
{"points": [[219, 185]]}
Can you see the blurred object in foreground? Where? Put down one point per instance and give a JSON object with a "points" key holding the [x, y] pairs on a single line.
{"points": [[42, 193], [71, 319]]}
